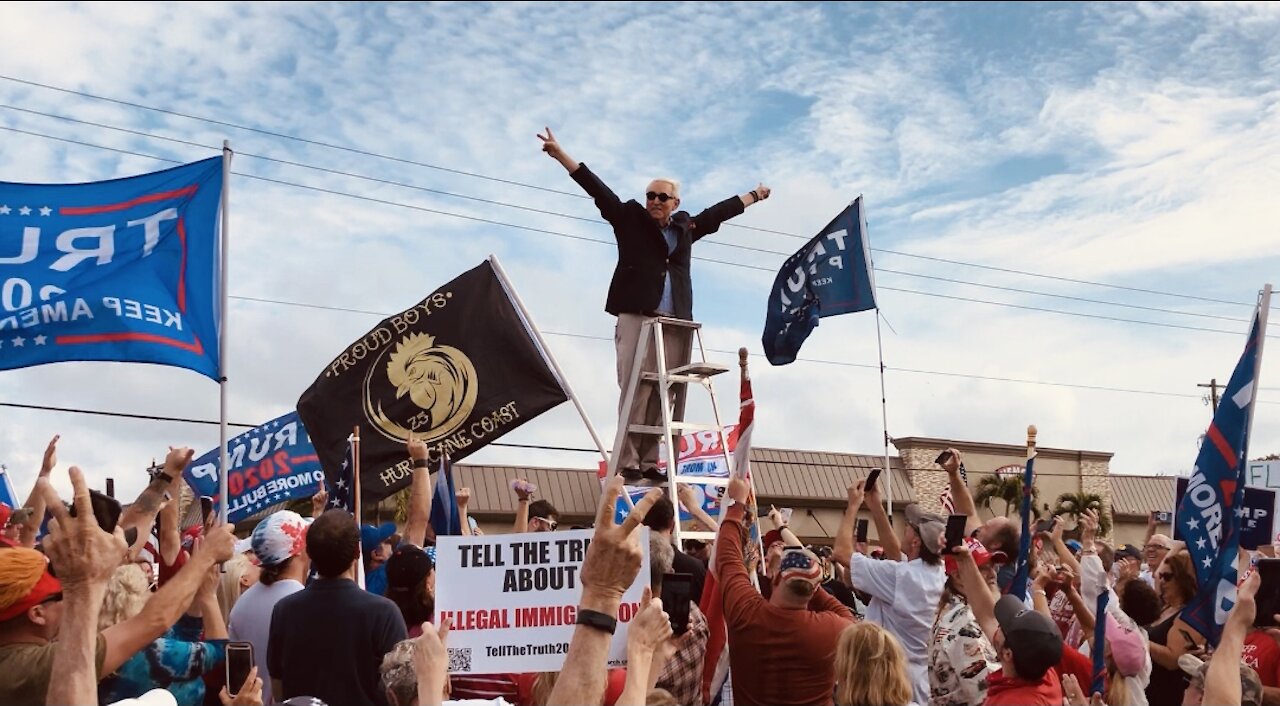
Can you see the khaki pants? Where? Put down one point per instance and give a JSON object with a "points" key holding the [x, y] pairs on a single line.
{"points": [[641, 450]]}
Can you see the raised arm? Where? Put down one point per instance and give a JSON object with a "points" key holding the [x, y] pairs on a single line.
{"points": [[977, 593], [884, 530], [170, 602], [415, 526], [610, 567], [842, 551], [551, 146], [755, 196], [689, 500], [170, 533], [789, 538], [463, 496], [431, 663], [143, 510], [1222, 681], [648, 632], [521, 488], [961, 498], [84, 556], [31, 525]]}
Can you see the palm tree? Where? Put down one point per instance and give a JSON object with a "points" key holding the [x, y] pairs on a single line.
{"points": [[1006, 488], [1074, 505]]}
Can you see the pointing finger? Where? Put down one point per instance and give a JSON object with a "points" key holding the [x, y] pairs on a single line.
{"points": [[637, 514]]}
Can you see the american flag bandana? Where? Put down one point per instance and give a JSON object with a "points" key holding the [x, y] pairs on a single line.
{"points": [[799, 564]]}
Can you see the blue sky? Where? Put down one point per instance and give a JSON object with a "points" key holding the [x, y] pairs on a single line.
{"points": [[1130, 144]]}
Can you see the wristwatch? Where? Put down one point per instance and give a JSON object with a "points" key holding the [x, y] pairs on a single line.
{"points": [[420, 463], [597, 620]]}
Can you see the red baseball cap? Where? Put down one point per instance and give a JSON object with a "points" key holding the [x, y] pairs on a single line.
{"points": [[979, 553]]}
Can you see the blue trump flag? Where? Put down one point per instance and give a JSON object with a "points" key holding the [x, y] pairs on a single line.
{"points": [[270, 464], [1210, 513], [123, 270], [830, 275], [1022, 565]]}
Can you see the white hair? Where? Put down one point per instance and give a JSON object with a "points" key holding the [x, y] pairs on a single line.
{"points": [[675, 184]]}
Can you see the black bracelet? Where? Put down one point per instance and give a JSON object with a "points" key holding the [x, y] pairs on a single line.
{"points": [[420, 463], [167, 478], [755, 196], [596, 619]]}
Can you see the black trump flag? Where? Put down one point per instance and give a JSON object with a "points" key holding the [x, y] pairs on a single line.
{"points": [[458, 370]]}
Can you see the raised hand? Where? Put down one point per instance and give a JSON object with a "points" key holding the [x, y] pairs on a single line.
{"points": [[82, 554], [417, 448], [250, 693], [687, 497], [550, 145], [463, 496], [50, 456], [650, 628], [857, 493], [614, 556], [175, 462], [763, 190], [738, 490], [219, 543], [523, 488], [319, 500]]}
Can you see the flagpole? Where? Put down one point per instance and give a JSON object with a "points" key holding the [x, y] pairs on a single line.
{"points": [[355, 474], [222, 333], [532, 328], [884, 421], [1264, 304]]}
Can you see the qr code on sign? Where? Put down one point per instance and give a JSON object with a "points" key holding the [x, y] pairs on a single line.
{"points": [[459, 659]]}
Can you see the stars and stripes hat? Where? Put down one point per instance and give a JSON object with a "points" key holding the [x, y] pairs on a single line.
{"points": [[801, 564], [279, 536]]}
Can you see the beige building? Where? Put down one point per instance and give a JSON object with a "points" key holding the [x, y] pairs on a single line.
{"points": [[814, 485]]}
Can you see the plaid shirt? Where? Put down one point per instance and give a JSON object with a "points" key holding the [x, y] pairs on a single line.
{"points": [[682, 674]]}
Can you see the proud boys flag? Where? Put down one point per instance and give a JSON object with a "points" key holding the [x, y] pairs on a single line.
{"points": [[458, 370], [830, 275]]}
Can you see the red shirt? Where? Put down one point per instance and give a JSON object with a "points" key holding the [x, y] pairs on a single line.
{"points": [[1074, 662], [1263, 654], [776, 655], [1020, 692]]}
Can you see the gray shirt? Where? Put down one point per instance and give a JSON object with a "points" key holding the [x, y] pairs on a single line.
{"points": [[251, 622]]}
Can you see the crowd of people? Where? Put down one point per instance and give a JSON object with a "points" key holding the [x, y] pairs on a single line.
{"points": [[145, 613]]}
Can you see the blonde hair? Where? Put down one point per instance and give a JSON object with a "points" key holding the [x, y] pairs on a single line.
{"points": [[127, 591], [870, 668], [542, 687], [229, 585]]}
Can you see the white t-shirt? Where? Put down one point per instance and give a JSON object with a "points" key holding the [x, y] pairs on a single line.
{"points": [[250, 621], [904, 601]]}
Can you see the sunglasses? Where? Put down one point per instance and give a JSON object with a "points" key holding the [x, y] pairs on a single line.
{"points": [[551, 524], [659, 197]]}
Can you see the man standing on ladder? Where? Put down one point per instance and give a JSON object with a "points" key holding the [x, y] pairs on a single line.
{"points": [[650, 279]]}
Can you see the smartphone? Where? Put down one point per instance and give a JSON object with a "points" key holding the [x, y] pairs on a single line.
{"points": [[106, 510], [942, 458], [239, 662], [677, 593], [1160, 515], [1045, 525], [955, 532], [872, 477], [1268, 598], [206, 509], [860, 534], [786, 515]]}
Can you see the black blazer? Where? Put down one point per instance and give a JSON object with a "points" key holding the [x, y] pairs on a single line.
{"points": [[643, 262]]}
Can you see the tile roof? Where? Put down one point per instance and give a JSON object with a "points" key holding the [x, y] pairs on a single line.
{"points": [[1137, 496]]}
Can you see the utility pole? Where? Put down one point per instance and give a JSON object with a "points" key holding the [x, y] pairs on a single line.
{"points": [[1213, 391]]}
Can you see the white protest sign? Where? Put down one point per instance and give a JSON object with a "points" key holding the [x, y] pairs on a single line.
{"points": [[514, 600], [1265, 474]]}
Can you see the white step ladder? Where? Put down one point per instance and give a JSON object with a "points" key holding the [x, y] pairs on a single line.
{"points": [[677, 379]]}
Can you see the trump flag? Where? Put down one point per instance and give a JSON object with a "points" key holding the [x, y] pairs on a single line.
{"points": [[123, 270], [830, 275], [1210, 513]]}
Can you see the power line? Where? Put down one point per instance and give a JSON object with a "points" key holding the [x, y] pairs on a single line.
{"points": [[541, 447], [593, 221], [214, 422], [817, 361], [368, 153], [387, 202]]}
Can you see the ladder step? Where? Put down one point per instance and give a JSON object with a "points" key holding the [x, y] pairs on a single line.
{"points": [[703, 369], [681, 323], [675, 379], [675, 427]]}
